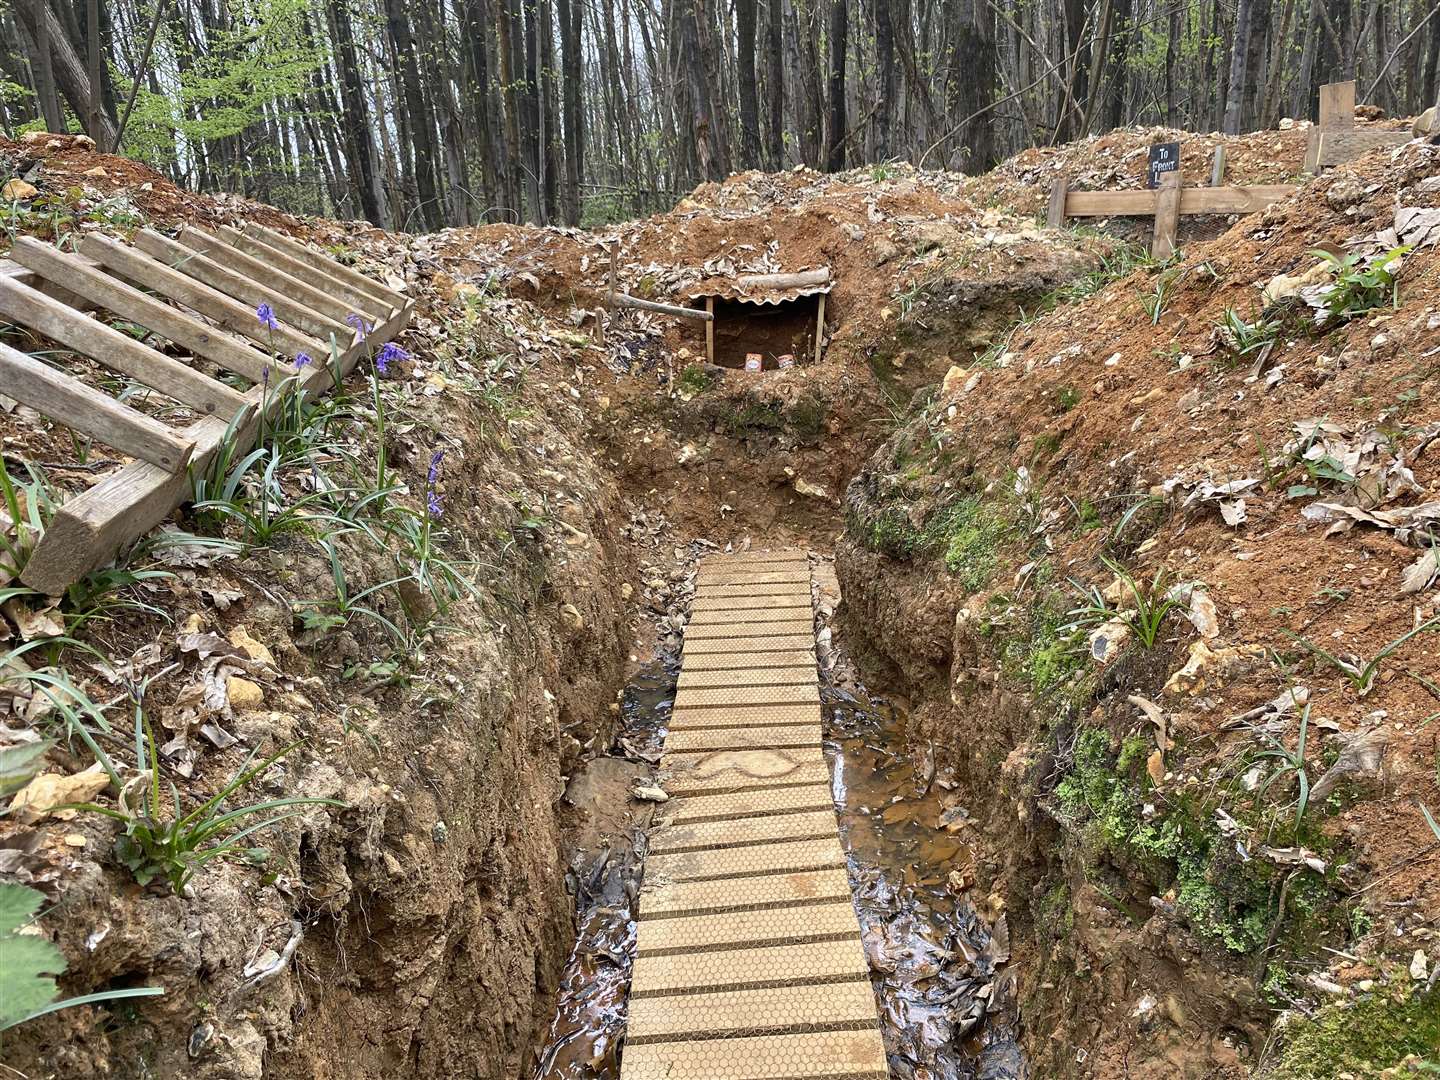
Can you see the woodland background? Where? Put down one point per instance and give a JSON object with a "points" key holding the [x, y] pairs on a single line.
{"points": [[416, 114]]}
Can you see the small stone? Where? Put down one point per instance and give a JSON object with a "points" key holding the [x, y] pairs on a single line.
{"points": [[98, 172], [17, 190], [1419, 966], [74, 839], [571, 617], [243, 694], [809, 490], [650, 794], [255, 650], [1344, 193], [626, 591]]}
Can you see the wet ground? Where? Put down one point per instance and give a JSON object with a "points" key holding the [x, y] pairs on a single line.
{"points": [[946, 998]]}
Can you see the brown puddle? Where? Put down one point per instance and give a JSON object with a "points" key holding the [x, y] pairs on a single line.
{"points": [[945, 997]]}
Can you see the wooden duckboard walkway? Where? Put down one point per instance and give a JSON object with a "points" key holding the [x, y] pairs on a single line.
{"points": [[749, 964]]}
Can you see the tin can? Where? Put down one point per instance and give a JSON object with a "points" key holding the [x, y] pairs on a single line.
{"points": [[753, 361], [785, 360]]}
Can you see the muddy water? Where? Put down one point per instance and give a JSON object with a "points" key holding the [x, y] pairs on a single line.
{"points": [[946, 999], [589, 1025]]}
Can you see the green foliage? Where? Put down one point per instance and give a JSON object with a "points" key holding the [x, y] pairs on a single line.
{"points": [[29, 962], [1121, 262], [32, 504], [695, 380], [19, 763], [1286, 762], [244, 75], [1360, 286], [1244, 338], [1067, 397]]}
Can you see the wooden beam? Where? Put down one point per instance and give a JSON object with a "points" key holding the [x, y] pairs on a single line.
{"points": [[263, 272], [1055, 211], [1337, 147], [207, 270], [796, 280], [626, 300], [1167, 215], [89, 529], [1193, 200], [341, 294], [229, 313], [337, 269], [29, 307], [83, 276], [86, 410]]}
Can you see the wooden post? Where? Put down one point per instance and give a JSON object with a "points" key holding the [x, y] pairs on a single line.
{"points": [[819, 326], [1217, 167], [1055, 213], [1337, 105], [710, 330], [1167, 216]]}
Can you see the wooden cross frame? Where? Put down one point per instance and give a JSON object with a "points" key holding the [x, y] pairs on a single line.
{"points": [[204, 291], [1166, 203]]}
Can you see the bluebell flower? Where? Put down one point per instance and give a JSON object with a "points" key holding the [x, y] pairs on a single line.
{"points": [[432, 497], [359, 324], [303, 359], [266, 314], [390, 354]]}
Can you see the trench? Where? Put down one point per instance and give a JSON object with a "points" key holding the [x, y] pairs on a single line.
{"points": [[946, 999]]}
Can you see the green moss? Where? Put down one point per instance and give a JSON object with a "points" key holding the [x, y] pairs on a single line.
{"points": [[1363, 1037], [804, 420], [695, 380], [1067, 398], [970, 533]]}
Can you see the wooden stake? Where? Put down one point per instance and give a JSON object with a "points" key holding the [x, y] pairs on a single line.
{"points": [[86, 410], [1167, 216], [819, 326], [1337, 105], [710, 330], [626, 300], [1055, 212], [1217, 167]]}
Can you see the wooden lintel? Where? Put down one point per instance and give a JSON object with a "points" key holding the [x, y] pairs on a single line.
{"points": [[626, 300]]}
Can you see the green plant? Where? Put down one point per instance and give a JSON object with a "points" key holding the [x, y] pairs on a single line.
{"points": [[1287, 762], [1242, 337], [1157, 301], [1357, 288], [28, 508], [19, 763], [258, 503], [1151, 605], [28, 963], [331, 614], [1067, 398], [158, 840], [1362, 673]]}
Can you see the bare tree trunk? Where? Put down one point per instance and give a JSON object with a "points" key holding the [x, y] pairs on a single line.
{"points": [[835, 132], [745, 65]]}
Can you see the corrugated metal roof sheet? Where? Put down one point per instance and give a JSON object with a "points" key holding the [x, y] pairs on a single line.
{"points": [[765, 288]]}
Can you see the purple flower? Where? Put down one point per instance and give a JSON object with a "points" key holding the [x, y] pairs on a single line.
{"points": [[432, 497], [390, 354], [266, 314], [359, 324], [303, 359], [265, 376]]}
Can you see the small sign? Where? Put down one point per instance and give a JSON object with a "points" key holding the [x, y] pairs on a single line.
{"points": [[785, 360], [753, 361], [1164, 157]]}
